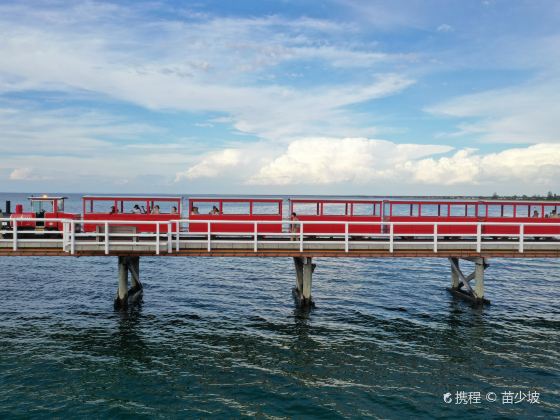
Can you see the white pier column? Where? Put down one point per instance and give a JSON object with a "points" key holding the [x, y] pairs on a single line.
{"points": [[121, 301], [304, 278]]}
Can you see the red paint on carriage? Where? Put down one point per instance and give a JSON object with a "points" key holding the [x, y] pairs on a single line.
{"points": [[122, 208], [497, 215], [221, 211], [338, 210], [460, 215], [43, 207]]}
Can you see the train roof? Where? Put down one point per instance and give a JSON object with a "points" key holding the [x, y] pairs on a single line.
{"points": [[131, 198], [46, 198], [268, 199]]}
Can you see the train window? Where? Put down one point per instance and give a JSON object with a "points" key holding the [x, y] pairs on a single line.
{"points": [[458, 210], [235, 207], [471, 210], [494, 210], [443, 210], [429, 210], [306, 208], [481, 210], [99, 206], [507, 210], [522, 211], [363, 209], [548, 210], [164, 206], [204, 207], [537, 209], [266, 208], [338, 209], [400, 210]]}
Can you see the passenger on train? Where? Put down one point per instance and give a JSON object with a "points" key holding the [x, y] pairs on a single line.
{"points": [[136, 209], [113, 210], [174, 210], [553, 213], [294, 227], [214, 211], [195, 210], [155, 210], [535, 214]]}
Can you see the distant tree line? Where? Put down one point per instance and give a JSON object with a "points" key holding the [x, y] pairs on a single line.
{"points": [[549, 196]]}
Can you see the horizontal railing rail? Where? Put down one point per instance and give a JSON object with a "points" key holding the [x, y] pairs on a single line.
{"points": [[171, 235]]}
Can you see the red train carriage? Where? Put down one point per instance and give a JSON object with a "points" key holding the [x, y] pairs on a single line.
{"points": [[235, 209], [136, 210], [338, 210], [43, 207], [431, 212], [498, 213]]}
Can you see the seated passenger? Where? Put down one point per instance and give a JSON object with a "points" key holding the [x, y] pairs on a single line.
{"points": [[174, 210], [113, 210], [194, 210], [215, 211], [155, 210], [553, 213], [535, 214], [136, 209]]}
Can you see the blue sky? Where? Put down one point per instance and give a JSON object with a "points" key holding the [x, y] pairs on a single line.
{"points": [[280, 97]]}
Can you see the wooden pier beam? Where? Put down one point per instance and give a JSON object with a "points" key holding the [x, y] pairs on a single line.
{"points": [[304, 278]]}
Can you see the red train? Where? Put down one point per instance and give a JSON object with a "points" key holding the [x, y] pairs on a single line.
{"points": [[320, 217]]}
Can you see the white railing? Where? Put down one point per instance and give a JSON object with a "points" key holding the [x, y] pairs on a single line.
{"points": [[173, 235]]}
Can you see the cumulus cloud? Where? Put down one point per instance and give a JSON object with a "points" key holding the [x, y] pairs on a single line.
{"points": [[211, 165], [330, 160], [361, 161]]}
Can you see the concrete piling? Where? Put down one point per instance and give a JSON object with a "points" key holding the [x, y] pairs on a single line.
{"points": [[125, 295], [460, 284], [304, 278]]}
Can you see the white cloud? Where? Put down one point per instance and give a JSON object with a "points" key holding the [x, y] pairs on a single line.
{"points": [[444, 27], [519, 114], [333, 161], [211, 165], [363, 162], [215, 64], [22, 174]]}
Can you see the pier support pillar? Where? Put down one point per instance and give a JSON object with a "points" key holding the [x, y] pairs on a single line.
{"points": [[460, 284], [304, 278], [124, 295]]}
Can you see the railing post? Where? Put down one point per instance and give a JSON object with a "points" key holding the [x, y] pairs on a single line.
{"points": [[346, 237], [255, 238], [435, 237], [300, 224], [209, 243], [177, 237], [478, 237], [391, 237], [14, 238], [157, 238], [521, 236], [169, 238], [106, 237], [72, 237]]}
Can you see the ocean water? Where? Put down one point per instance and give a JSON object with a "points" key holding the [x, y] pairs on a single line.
{"points": [[221, 337]]}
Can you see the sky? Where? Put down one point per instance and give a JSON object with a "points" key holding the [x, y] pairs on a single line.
{"points": [[280, 97]]}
